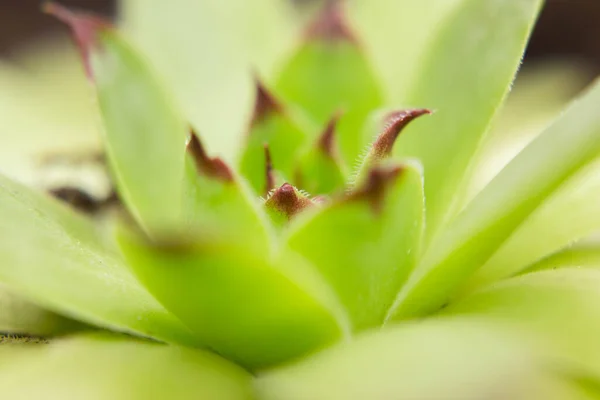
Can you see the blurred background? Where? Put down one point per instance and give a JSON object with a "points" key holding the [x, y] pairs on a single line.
{"points": [[42, 89], [567, 28]]}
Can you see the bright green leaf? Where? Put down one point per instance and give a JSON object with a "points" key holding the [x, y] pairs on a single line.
{"points": [[364, 250], [571, 143], [438, 359], [328, 75], [464, 76], [320, 173], [320, 169], [283, 135], [61, 261], [96, 367], [246, 306]]}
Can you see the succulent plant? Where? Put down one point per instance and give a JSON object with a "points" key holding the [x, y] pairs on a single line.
{"points": [[342, 254]]}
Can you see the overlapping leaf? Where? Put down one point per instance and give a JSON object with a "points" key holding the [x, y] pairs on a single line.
{"points": [[245, 305], [279, 129], [61, 261], [570, 214], [570, 144], [329, 73], [217, 204], [206, 52], [145, 136], [21, 317], [581, 254], [464, 75], [395, 35], [366, 246]]}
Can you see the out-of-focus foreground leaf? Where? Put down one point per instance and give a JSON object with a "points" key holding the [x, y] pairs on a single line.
{"points": [[560, 307], [95, 367], [467, 359], [243, 303]]}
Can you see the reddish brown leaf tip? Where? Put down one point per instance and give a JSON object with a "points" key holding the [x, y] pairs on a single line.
{"points": [[394, 124], [269, 173], [375, 185], [85, 28], [288, 201], [331, 24], [265, 104], [327, 139], [212, 167]]}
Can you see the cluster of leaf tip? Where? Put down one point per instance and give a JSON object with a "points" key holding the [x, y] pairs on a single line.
{"points": [[284, 160], [237, 258], [191, 208]]}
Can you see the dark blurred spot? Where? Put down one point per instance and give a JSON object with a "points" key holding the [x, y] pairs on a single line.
{"points": [[22, 20], [76, 198]]}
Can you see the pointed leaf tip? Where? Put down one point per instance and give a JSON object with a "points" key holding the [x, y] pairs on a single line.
{"points": [[331, 24], [84, 27], [374, 187], [212, 167], [327, 139], [393, 126], [269, 174], [265, 103], [287, 200]]}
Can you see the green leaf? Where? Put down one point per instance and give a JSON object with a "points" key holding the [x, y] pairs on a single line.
{"points": [[579, 255], [366, 246], [21, 317], [95, 367], [249, 307], [466, 358], [218, 204], [62, 262], [568, 215], [571, 143], [145, 137], [464, 75], [279, 129], [329, 74], [320, 169], [561, 308], [540, 92], [395, 35], [206, 52]]}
